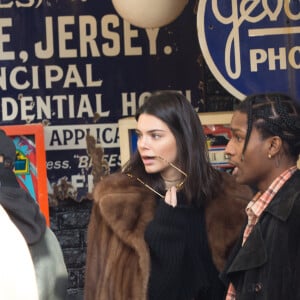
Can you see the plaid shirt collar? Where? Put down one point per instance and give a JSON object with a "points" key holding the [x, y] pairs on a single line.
{"points": [[261, 200]]}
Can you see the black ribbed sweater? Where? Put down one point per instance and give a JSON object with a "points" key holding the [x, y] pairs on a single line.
{"points": [[181, 263]]}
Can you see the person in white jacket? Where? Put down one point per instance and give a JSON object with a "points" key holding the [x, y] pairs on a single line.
{"points": [[46, 254], [17, 275]]}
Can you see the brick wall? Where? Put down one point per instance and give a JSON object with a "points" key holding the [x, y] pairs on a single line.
{"points": [[69, 222]]}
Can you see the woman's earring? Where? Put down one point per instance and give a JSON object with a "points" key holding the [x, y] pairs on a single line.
{"points": [[269, 156]]}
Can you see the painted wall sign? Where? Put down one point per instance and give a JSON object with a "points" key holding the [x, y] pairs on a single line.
{"points": [[252, 46], [77, 67], [30, 164]]}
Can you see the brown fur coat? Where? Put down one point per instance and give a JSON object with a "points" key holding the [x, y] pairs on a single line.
{"points": [[118, 262]]}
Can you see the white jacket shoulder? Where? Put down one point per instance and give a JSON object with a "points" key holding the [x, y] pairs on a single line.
{"points": [[17, 275]]}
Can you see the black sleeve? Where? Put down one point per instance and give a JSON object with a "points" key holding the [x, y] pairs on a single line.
{"points": [[174, 239]]}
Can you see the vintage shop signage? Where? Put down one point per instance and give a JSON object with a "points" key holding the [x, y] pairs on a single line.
{"points": [[252, 46], [77, 67]]}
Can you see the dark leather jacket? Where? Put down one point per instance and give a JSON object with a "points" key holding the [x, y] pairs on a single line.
{"points": [[268, 265]]}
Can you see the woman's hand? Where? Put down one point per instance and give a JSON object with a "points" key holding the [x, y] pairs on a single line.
{"points": [[171, 197]]}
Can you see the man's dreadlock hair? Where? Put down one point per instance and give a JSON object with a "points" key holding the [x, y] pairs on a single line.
{"points": [[273, 114]]}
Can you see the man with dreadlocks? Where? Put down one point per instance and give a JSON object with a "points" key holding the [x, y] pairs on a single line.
{"points": [[264, 149]]}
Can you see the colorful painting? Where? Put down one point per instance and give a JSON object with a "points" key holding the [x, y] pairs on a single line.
{"points": [[30, 165]]}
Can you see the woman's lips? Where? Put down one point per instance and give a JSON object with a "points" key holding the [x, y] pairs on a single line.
{"points": [[148, 160]]}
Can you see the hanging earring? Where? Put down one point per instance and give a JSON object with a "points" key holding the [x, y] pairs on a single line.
{"points": [[269, 156]]}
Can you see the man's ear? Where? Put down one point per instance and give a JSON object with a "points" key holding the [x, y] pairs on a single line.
{"points": [[275, 145]]}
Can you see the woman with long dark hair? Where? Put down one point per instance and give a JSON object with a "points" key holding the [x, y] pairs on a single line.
{"points": [[164, 226]]}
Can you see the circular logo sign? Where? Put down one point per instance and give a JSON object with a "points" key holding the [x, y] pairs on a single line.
{"points": [[252, 46]]}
